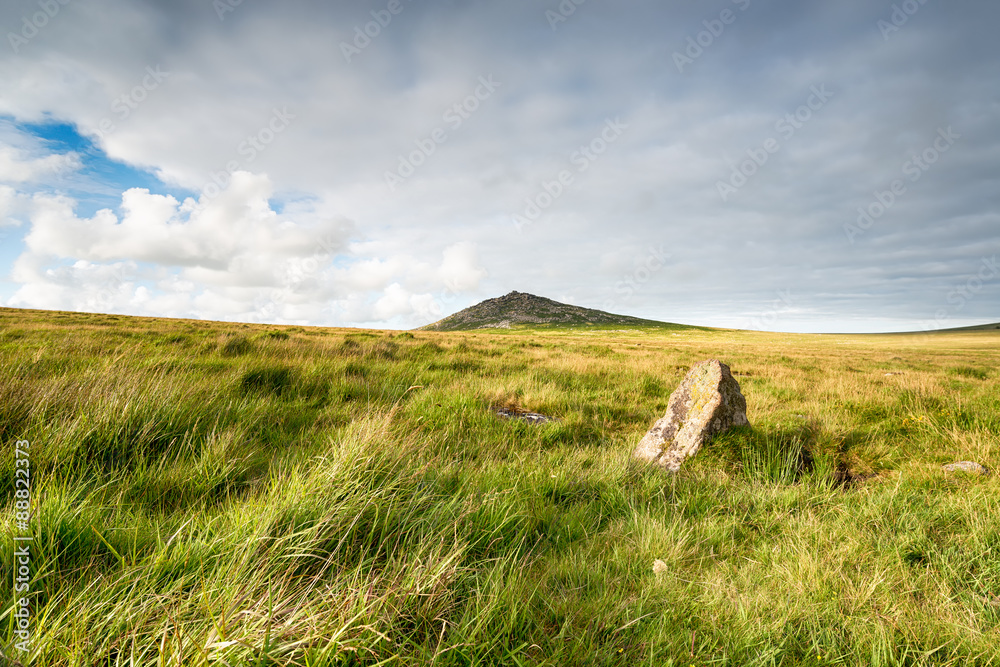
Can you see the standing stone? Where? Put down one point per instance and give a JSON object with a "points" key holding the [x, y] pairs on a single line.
{"points": [[707, 403]]}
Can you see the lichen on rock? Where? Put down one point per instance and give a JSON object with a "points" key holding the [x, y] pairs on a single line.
{"points": [[706, 403]]}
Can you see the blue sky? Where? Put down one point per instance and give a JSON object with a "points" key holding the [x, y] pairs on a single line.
{"points": [[99, 181], [781, 165]]}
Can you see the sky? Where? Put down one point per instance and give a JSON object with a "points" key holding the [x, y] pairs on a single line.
{"points": [[778, 165]]}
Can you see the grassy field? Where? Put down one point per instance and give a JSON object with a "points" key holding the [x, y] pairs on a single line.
{"points": [[219, 494]]}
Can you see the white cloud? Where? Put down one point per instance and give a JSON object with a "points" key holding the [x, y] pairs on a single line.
{"points": [[231, 257], [10, 203], [395, 301], [26, 162], [18, 167], [236, 234], [460, 270]]}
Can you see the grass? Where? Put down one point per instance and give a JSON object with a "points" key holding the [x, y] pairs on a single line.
{"points": [[219, 494]]}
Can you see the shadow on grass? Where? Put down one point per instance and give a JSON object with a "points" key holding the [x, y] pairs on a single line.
{"points": [[787, 454], [266, 381], [773, 454]]}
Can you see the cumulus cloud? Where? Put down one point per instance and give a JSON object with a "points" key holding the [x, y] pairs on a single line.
{"points": [[230, 234], [228, 257]]}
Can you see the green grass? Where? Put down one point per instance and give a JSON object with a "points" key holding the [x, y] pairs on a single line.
{"points": [[218, 494]]}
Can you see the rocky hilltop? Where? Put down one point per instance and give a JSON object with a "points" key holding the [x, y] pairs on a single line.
{"points": [[518, 309]]}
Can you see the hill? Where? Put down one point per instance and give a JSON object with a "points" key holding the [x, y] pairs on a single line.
{"points": [[991, 327], [519, 309]]}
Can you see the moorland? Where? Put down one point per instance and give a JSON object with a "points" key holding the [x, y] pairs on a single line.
{"points": [[227, 494]]}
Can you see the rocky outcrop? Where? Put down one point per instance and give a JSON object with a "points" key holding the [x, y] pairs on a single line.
{"points": [[518, 309], [707, 402]]}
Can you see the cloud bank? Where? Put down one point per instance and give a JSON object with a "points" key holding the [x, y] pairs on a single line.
{"points": [[745, 164]]}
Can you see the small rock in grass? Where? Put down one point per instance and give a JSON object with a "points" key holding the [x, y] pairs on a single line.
{"points": [[966, 466], [530, 417]]}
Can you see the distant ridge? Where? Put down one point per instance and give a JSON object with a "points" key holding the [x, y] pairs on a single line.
{"points": [[993, 326], [517, 309]]}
